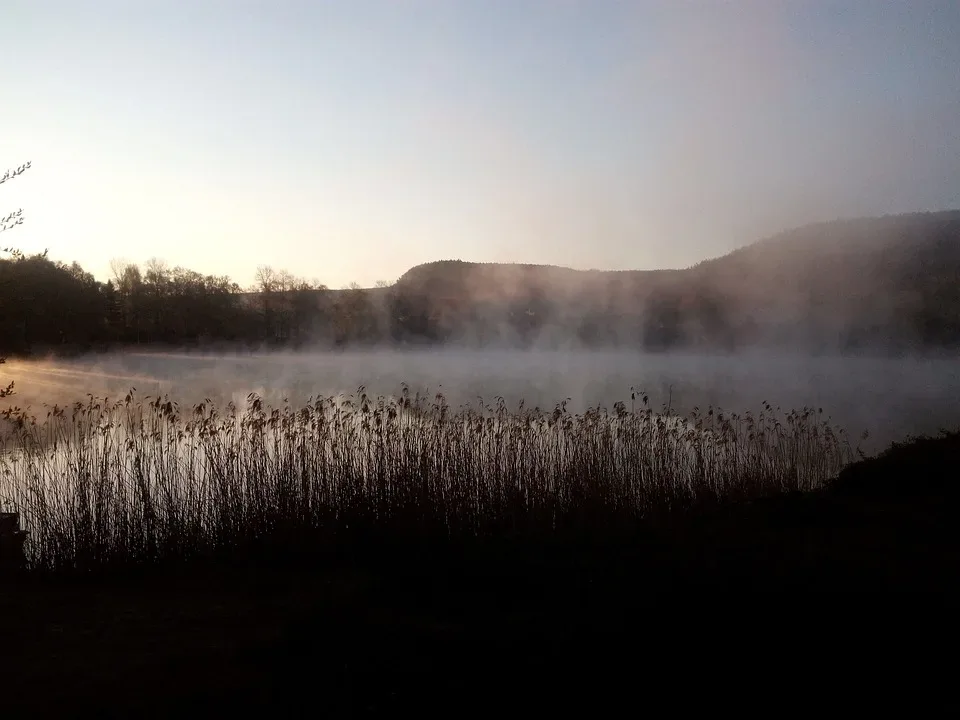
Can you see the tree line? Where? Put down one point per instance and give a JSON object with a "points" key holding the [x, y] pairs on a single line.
{"points": [[50, 306], [877, 285]]}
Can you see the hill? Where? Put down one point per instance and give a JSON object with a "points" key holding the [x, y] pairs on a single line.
{"points": [[879, 285], [889, 284]]}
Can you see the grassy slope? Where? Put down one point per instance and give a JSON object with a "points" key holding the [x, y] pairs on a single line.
{"points": [[416, 629]]}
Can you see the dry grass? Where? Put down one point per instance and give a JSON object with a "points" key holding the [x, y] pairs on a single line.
{"points": [[111, 485]]}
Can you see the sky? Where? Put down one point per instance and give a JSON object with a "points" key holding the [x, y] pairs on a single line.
{"points": [[348, 140]]}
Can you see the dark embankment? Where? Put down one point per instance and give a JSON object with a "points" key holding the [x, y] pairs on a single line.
{"points": [[467, 630]]}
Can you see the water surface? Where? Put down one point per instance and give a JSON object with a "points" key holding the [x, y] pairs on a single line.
{"points": [[889, 398]]}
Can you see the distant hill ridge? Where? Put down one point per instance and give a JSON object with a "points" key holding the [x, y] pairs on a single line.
{"points": [[848, 283], [853, 235], [886, 284]]}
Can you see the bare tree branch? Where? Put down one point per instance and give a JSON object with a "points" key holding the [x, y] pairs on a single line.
{"points": [[8, 223]]}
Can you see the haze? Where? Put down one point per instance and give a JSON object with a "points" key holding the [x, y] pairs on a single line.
{"points": [[349, 141], [890, 399]]}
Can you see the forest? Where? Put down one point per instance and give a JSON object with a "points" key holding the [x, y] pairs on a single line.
{"points": [[885, 285]]}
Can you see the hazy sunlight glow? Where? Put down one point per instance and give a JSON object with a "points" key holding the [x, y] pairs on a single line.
{"points": [[348, 141]]}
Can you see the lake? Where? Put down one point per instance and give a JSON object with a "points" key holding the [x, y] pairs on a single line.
{"points": [[889, 398]]}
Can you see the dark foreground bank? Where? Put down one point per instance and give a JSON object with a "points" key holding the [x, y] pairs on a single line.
{"points": [[478, 630]]}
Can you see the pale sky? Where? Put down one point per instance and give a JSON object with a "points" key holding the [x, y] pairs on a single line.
{"points": [[347, 140]]}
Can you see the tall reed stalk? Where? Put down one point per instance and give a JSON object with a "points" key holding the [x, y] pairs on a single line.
{"points": [[103, 485]]}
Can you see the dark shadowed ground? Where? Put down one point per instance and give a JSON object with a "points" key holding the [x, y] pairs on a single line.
{"points": [[482, 630]]}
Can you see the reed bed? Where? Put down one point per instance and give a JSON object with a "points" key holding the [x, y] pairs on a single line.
{"points": [[103, 485]]}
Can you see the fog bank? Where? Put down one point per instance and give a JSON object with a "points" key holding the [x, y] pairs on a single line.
{"points": [[889, 398]]}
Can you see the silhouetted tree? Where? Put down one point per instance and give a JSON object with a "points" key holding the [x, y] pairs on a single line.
{"points": [[305, 303], [872, 284], [663, 322], [9, 222], [14, 218]]}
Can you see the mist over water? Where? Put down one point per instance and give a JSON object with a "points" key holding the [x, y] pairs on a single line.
{"points": [[889, 398]]}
